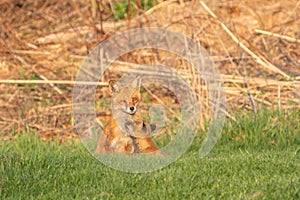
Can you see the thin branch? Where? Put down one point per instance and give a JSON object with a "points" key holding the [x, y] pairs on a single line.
{"points": [[284, 37], [51, 82]]}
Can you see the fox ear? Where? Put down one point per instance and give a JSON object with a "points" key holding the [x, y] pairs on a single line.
{"points": [[114, 86], [136, 83]]}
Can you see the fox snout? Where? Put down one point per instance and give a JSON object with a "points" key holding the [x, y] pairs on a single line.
{"points": [[125, 107], [131, 110]]}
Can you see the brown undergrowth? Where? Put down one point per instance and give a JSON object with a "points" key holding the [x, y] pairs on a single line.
{"points": [[254, 44]]}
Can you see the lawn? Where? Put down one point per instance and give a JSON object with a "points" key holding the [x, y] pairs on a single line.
{"points": [[256, 158]]}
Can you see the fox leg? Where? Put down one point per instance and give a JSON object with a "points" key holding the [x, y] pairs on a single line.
{"points": [[123, 144], [101, 144]]}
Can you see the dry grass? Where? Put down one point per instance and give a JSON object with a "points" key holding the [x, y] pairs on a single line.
{"points": [[254, 44]]}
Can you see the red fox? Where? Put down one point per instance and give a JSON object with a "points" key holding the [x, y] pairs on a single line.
{"points": [[126, 132]]}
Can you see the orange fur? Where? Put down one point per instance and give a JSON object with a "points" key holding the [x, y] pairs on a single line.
{"points": [[126, 119]]}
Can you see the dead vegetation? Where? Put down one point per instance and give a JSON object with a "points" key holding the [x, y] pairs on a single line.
{"points": [[254, 44]]}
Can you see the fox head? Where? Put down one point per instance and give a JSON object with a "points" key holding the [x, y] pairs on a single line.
{"points": [[127, 98]]}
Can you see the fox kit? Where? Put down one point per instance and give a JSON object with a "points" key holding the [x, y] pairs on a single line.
{"points": [[126, 132]]}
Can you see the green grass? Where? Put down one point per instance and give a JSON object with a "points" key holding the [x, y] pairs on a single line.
{"points": [[263, 165], [121, 7]]}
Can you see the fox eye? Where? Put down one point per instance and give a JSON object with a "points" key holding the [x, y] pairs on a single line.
{"points": [[134, 100]]}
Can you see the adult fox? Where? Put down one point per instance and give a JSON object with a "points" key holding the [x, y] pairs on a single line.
{"points": [[126, 132]]}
